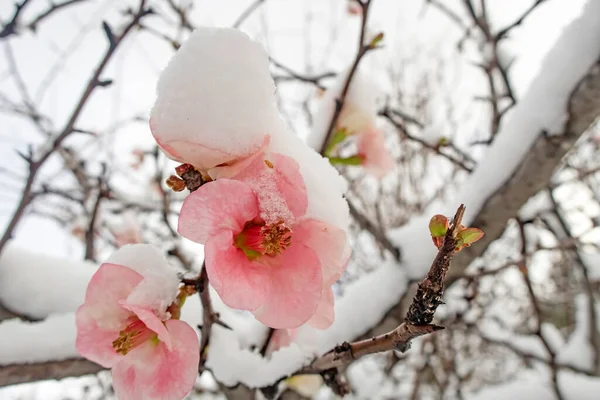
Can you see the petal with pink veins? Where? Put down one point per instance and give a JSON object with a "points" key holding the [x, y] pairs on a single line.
{"points": [[328, 242], [241, 283], [100, 318], [152, 372], [222, 205], [296, 282]]}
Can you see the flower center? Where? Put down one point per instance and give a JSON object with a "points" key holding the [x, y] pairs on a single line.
{"points": [[259, 239], [132, 336]]}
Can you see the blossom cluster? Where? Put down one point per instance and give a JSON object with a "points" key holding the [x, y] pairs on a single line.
{"points": [[270, 213], [269, 247], [356, 122]]}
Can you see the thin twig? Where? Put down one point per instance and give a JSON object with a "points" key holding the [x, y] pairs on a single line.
{"points": [[538, 313], [504, 32], [387, 114], [379, 236], [36, 165], [315, 79], [246, 13], [12, 27], [418, 320], [363, 48]]}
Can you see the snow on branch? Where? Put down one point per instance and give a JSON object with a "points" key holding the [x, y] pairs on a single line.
{"points": [[560, 105]]}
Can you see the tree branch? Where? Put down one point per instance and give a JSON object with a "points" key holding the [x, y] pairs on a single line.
{"points": [[36, 165], [418, 318], [22, 373], [363, 48]]}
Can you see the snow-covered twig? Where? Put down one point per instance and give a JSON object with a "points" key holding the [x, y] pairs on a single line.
{"points": [[574, 90], [418, 320]]}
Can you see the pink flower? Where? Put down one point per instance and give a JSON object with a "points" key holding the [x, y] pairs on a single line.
{"points": [[151, 355], [261, 255], [376, 158]]}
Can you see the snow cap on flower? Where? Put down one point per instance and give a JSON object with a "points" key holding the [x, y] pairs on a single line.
{"points": [[119, 326], [215, 99], [159, 287]]}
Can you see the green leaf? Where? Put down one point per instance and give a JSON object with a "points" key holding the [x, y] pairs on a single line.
{"points": [[353, 160], [338, 137], [468, 236], [438, 226], [376, 40]]}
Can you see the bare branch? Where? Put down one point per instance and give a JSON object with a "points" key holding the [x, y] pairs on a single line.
{"points": [[22, 373], [363, 48], [504, 32], [418, 319], [35, 165], [12, 27], [247, 12]]}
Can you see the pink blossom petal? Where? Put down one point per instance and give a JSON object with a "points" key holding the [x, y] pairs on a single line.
{"points": [[234, 168], [152, 322], [241, 283], [152, 372], [100, 318], [290, 182], [325, 314], [328, 242], [276, 180], [296, 282], [378, 160], [222, 205]]}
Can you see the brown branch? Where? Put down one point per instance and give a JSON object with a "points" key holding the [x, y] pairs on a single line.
{"points": [[90, 233], [208, 317], [594, 335], [315, 79], [537, 312], [363, 48], [182, 14], [504, 32], [36, 165], [418, 318], [535, 170], [387, 114], [55, 7], [14, 374], [374, 230], [246, 13], [12, 27]]}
